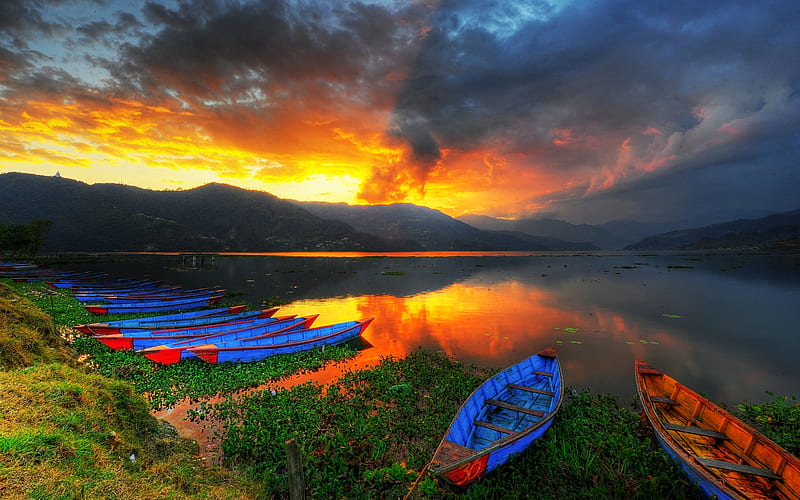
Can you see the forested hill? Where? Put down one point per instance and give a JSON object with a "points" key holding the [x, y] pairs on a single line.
{"points": [[218, 217], [778, 231], [215, 217]]}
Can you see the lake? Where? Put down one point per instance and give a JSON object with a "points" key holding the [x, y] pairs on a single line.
{"points": [[723, 324]]}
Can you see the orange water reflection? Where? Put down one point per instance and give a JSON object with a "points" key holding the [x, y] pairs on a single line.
{"points": [[491, 326]]}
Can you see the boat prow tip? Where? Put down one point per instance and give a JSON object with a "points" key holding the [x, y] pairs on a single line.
{"points": [[548, 353]]}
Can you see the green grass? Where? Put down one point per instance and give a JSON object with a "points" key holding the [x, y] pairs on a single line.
{"points": [[66, 433], [778, 419], [165, 385]]}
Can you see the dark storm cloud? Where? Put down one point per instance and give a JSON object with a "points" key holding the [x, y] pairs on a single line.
{"points": [[206, 51], [608, 70], [597, 65], [21, 18], [106, 31]]}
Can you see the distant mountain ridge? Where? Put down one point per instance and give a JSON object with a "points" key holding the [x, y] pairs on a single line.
{"points": [[432, 229], [214, 217], [763, 232], [219, 217]]}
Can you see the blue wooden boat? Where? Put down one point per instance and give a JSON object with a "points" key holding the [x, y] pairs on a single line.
{"points": [[174, 352], [100, 295], [86, 279], [153, 306], [501, 418], [243, 351], [156, 296], [162, 320], [18, 266], [118, 286], [725, 457], [198, 322], [143, 340]]}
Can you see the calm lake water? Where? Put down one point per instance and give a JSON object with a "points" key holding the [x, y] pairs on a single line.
{"points": [[725, 325]]}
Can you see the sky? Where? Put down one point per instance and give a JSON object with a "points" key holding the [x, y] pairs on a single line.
{"points": [[584, 110]]}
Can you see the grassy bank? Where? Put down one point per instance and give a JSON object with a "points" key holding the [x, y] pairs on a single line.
{"points": [[67, 432], [368, 435]]}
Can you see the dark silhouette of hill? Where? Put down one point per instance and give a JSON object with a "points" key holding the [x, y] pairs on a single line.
{"points": [[773, 231], [218, 217], [215, 217], [547, 228], [432, 229]]}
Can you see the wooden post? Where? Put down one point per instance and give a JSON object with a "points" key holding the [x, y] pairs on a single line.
{"points": [[294, 466]]}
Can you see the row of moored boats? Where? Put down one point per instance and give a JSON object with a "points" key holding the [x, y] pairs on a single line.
{"points": [[181, 323]]}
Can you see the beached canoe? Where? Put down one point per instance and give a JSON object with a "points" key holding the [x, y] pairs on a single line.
{"points": [[100, 295], [501, 418], [170, 353], [725, 457], [153, 306], [243, 351], [174, 295], [110, 327], [131, 326], [143, 340]]}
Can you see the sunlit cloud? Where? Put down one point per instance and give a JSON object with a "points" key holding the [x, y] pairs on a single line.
{"points": [[583, 111]]}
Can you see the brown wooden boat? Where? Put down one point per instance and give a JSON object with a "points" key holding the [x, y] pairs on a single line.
{"points": [[724, 456]]}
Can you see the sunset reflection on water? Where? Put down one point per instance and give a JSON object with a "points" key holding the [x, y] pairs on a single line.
{"points": [[719, 324]]}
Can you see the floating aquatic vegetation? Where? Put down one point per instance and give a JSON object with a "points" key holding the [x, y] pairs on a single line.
{"points": [[671, 315]]}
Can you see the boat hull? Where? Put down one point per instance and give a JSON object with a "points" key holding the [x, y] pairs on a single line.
{"points": [[247, 350], [157, 306], [144, 340], [725, 457], [504, 416], [169, 353]]}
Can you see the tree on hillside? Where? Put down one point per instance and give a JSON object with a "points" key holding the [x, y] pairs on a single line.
{"points": [[38, 230], [24, 238]]}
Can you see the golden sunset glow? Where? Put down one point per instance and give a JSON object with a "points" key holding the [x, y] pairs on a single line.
{"points": [[456, 108]]}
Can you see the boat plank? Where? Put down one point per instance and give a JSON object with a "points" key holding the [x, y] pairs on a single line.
{"points": [[488, 425], [530, 389], [741, 468], [695, 430], [668, 401], [453, 452], [513, 407]]}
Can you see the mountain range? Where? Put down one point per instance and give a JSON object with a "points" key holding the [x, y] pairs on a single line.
{"points": [[219, 217]]}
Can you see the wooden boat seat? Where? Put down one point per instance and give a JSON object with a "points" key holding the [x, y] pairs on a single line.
{"points": [[741, 468], [453, 452], [543, 374], [695, 430], [530, 389], [488, 425], [513, 407], [668, 401]]}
